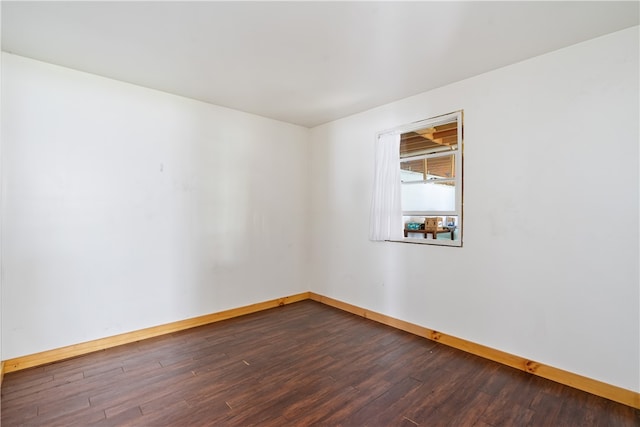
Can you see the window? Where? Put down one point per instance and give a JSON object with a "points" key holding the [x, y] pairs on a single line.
{"points": [[426, 185]]}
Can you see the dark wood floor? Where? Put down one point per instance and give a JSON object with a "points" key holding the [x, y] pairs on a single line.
{"points": [[301, 364]]}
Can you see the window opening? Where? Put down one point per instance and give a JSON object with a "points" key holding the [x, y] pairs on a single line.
{"points": [[430, 162]]}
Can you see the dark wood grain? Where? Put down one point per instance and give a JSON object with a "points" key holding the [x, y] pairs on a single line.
{"points": [[301, 364]]}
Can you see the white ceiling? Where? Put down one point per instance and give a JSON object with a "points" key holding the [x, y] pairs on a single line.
{"points": [[301, 62]]}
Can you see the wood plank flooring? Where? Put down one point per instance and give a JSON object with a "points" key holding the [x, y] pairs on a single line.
{"points": [[297, 365]]}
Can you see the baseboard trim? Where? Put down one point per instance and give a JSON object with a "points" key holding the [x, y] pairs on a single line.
{"points": [[598, 388], [70, 351]]}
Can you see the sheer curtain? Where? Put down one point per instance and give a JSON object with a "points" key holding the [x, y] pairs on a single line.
{"points": [[386, 207]]}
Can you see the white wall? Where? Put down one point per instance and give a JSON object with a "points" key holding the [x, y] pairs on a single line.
{"points": [[1, 192], [551, 156], [126, 208]]}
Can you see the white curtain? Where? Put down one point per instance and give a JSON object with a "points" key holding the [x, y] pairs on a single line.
{"points": [[386, 207]]}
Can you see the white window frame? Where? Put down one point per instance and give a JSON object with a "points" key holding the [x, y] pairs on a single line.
{"points": [[456, 116]]}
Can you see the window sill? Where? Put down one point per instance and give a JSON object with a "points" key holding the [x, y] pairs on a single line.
{"points": [[432, 242]]}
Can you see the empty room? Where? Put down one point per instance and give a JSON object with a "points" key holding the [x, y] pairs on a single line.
{"points": [[320, 213]]}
